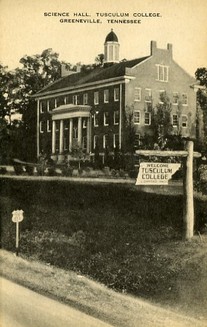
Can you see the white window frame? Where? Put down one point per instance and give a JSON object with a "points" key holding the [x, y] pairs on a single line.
{"points": [[84, 142], [186, 98], [41, 108], [115, 122], [138, 137], [65, 147], [147, 113], [116, 94], [66, 127], [48, 105], [175, 96], [85, 98], [161, 92], [163, 75], [104, 140], [95, 140], [106, 96], [139, 117], [137, 94], [186, 122], [149, 91], [174, 115], [114, 139], [55, 103], [84, 123], [75, 99], [94, 120], [106, 115], [49, 128], [41, 127], [96, 97]]}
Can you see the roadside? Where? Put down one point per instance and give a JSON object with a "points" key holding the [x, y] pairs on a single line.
{"points": [[93, 298]]}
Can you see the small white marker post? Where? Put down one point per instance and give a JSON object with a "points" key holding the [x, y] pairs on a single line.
{"points": [[17, 217]]}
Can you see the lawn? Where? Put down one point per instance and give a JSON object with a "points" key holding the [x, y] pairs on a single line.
{"points": [[127, 239]]}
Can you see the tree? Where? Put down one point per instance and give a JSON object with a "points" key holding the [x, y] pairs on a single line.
{"points": [[201, 76]]}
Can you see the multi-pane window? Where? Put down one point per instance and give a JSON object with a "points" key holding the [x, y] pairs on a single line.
{"points": [[43, 106], [85, 98], [96, 120], [148, 95], [96, 98], [184, 120], [136, 117], [105, 141], [162, 94], [147, 118], [116, 94], [75, 99], [95, 141], [41, 127], [175, 120], [49, 125], [84, 142], [137, 140], [116, 117], [106, 118], [162, 73], [106, 96], [184, 99], [115, 140], [175, 98], [137, 94]]}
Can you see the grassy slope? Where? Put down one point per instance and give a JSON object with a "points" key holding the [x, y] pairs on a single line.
{"points": [[128, 240]]}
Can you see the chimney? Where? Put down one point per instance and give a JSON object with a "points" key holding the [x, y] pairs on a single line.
{"points": [[153, 47], [169, 48]]}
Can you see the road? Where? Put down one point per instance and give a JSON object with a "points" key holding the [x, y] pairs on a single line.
{"points": [[21, 307]]}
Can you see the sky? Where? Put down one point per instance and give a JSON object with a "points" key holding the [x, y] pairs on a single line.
{"points": [[27, 28]]}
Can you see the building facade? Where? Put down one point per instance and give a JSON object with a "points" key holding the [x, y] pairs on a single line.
{"points": [[89, 109]]}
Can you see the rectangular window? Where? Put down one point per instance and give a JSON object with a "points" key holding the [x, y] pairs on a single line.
{"points": [[75, 99], [162, 94], [137, 117], [41, 127], [55, 103], [96, 121], [67, 99], [184, 99], [49, 125], [85, 98], [115, 140], [147, 118], [95, 141], [106, 118], [60, 101], [184, 121], [148, 95], [137, 94], [84, 142], [51, 103], [84, 123], [116, 117], [106, 96], [57, 125], [175, 120], [65, 124], [162, 73], [116, 94], [105, 141], [137, 140], [96, 98], [175, 98], [65, 143], [43, 106]]}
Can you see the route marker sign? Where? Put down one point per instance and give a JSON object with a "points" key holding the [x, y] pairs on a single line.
{"points": [[17, 217]]}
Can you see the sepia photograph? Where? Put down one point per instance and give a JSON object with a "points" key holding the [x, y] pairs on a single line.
{"points": [[103, 163]]}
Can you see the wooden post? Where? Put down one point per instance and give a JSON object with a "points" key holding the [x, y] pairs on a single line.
{"points": [[188, 210]]}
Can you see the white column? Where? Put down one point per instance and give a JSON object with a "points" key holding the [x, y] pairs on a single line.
{"points": [[38, 128], [61, 137], [71, 134], [88, 135], [80, 131], [53, 136]]}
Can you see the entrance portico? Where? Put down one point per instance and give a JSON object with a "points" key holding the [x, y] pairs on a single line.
{"points": [[71, 127]]}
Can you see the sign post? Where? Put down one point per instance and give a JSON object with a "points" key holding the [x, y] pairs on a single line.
{"points": [[17, 217], [188, 154]]}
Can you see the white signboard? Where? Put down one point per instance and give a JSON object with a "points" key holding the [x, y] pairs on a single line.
{"points": [[156, 173], [17, 216]]}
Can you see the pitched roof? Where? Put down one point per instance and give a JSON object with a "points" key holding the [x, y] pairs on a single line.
{"points": [[97, 74]]}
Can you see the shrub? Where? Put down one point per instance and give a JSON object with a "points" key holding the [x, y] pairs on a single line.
{"points": [[18, 169]]}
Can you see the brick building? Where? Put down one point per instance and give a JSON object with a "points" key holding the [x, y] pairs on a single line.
{"points": [[89, 108]]}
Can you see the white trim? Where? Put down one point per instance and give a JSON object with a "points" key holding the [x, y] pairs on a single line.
{"points": [[41, 108], [116, 123], [120, 117], [85, 98], [38, 128], [48, 125], [96, 97], [114, 139], [141, 62], [104, 140], [106, 96], [137, 111], [41, 127], [94, 121], [116, 99], [175, 125], [185, 122], [175, 103], [85, 87], [149, 113], [184, 104], [106, 113], [165, 80], [161, 92], [139, 94], [95, 137], [150, 95]]}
